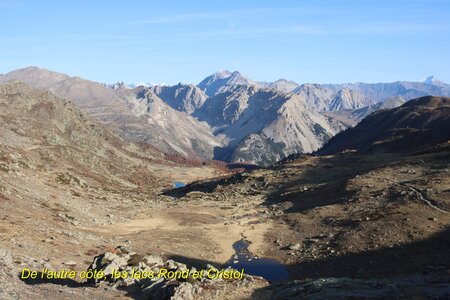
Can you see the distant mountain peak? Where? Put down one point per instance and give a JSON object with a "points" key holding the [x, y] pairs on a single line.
{"points": [[222, 81], [281, 85], [236, 74], [120, 85], [31, 68], [349, 99], [222, 74], [36, 77], [432, 80], [144, 84], [182, 97], [237, 78], [283, 80]]}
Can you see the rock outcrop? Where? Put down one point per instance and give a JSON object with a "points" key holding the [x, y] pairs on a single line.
{"points": [[151, 277]]}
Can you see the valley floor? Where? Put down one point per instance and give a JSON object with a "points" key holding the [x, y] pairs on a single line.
{"points": [[346, 216]]}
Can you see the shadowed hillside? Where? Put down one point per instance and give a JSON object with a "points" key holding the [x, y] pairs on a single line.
{"points": [[416, 124]]}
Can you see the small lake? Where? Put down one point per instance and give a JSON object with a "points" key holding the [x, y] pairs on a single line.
{"points": [[179, 184], [269, 269]]}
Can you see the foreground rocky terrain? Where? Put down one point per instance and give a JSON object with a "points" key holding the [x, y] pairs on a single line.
{"points": [[382, 217], [385, 225]]}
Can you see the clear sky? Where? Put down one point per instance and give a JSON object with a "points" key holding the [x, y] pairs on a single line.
{"points": [[184, 41]]}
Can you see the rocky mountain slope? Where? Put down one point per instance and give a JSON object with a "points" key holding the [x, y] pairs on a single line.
{"points": [[36, 77], [222, 81], [417, 123], [262, 126], [84, 93], [295, 128], [132, 115], [351, 117], [390, 103], [348, 99], [329, 99], [315, 95], [281, 85], [154, 122], [227, 107], [51, 132], [182, 97]]}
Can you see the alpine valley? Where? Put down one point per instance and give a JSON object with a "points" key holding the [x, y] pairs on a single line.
{"points": [[351, 198]]}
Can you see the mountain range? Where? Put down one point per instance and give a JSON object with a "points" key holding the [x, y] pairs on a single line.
{"points": [[228, 116], [135, 114]]}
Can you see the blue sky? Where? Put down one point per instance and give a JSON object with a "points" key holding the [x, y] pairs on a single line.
{"points": [[172, 41]]}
